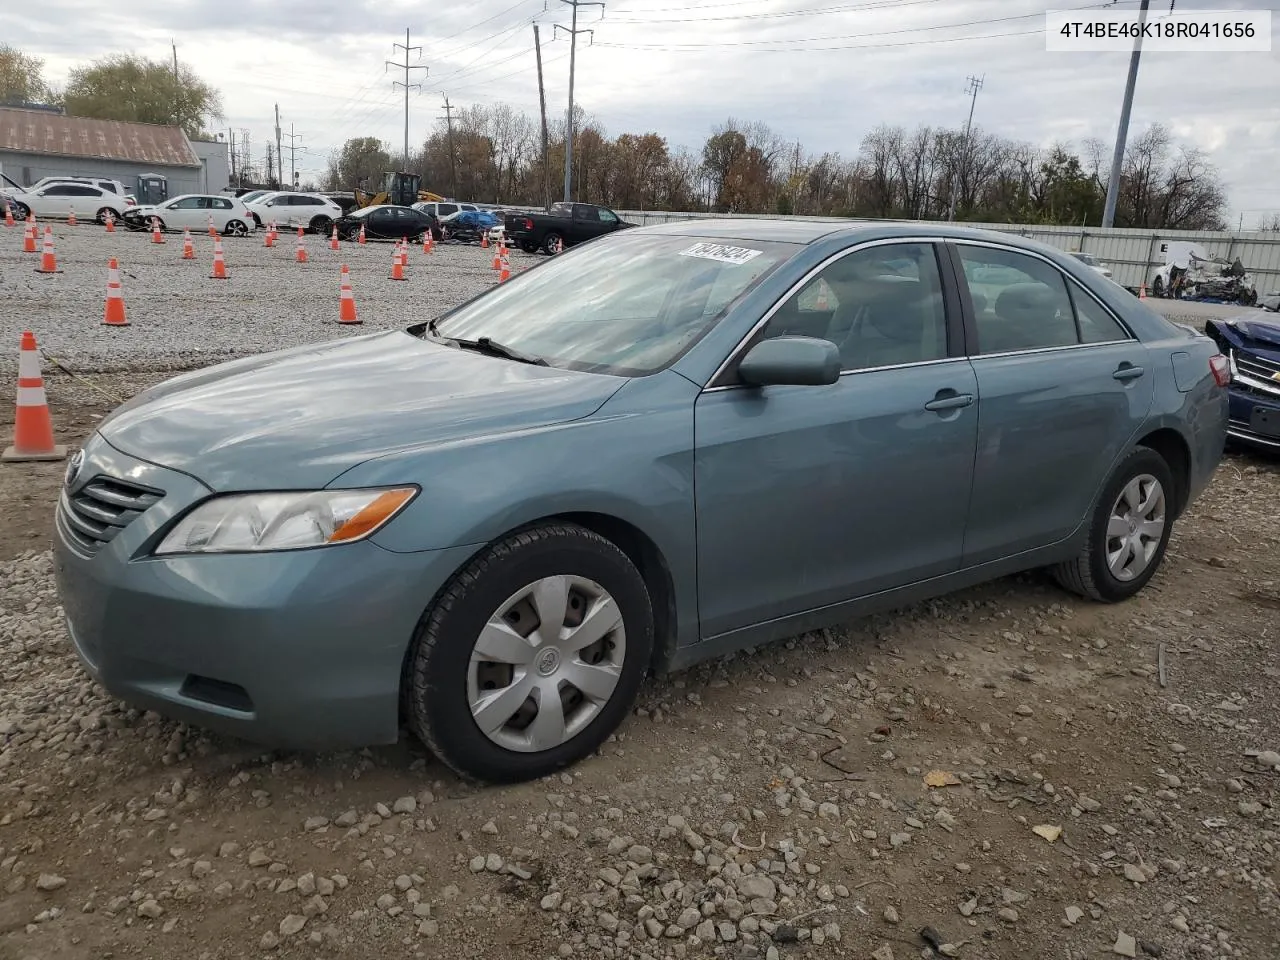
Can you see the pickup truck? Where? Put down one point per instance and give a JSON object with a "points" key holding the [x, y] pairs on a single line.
{"points": [[566, 225]]}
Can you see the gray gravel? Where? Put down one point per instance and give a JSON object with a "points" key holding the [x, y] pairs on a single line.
{"points": [[180, 317]]}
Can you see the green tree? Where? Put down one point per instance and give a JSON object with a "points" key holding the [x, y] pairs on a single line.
{"points": [[362, 162], [21, 79], [133, 88]]}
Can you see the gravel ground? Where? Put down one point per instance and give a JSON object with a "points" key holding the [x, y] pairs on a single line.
{"points": [[180, 317], [1003, 774]]}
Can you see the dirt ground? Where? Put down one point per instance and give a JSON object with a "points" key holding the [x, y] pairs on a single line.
{"points": [[770, 805]]}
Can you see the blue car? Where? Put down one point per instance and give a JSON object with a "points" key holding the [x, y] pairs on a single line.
{"points": [[668, 444], [1252, 346]]}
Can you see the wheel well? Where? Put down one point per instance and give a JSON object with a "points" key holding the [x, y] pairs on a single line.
{"points": [[644, 553], [1173, 448]]}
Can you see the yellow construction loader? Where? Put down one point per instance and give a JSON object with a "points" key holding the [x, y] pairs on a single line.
{"points": [[400, 189]]}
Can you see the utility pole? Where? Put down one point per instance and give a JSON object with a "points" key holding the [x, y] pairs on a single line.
{"points": [[1122, 134], [975, 84], [406, 84], [279, 155], [293, 175], [231, 145], [177, 86], [270, 162], [453, 159], [568, 129], [542, 100]]}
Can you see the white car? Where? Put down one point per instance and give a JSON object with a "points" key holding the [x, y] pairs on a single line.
{"points": [[290, 210], [57, 201], [192, 211], [102, 183], [1089, 260]]}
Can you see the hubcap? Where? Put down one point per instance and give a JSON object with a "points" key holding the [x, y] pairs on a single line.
{"points": [[546, 663], [1135, 527]]}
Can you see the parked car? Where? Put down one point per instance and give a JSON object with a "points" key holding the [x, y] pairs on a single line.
{"points": [[566, 225], [58, 201], [1252, 346], [192, 211], [102, 183], [442, 210], [1089, 260], [665, 445], [387, 221], [291, 210]]}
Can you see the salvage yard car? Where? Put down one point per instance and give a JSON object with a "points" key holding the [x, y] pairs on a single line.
{"points": [[665, 445], [193, 211], [567, 225], [1252, 348]]}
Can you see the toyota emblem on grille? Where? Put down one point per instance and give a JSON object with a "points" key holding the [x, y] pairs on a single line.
{"points": [[73, 468]]}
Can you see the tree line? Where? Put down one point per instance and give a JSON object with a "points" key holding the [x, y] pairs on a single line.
{"points": [[495, 154]]}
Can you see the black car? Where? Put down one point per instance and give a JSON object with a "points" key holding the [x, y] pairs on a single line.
{"points": [[388, 222], [567, 224], [1252, 346]]}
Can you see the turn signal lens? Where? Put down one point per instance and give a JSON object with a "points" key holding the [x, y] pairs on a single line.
{"points": [[1220, 366]]}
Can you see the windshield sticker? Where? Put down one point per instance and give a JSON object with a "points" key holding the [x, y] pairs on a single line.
{"points": [[718, 251]]}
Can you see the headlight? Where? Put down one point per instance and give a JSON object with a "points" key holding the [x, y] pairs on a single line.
{"points": [[284, 521]]}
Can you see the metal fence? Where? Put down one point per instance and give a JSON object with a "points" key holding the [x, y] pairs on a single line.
{"points": [[1132, 254]]}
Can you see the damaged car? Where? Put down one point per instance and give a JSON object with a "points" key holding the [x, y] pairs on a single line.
{"points": [[1252, 348], [1189, 273]]}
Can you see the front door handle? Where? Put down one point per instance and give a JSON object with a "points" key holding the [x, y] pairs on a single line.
{"points": [[952, 402], [1127, 371]]}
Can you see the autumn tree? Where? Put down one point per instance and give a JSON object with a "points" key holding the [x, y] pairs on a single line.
{"points": [[362, 162], [132, 88], [21, 78]]}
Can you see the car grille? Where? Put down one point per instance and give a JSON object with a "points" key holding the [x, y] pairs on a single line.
{"points": [[98, 511], [1258, 369]]}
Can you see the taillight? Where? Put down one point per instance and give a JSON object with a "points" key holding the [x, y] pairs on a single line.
{"points": [[528, 224], [1220, 366]]}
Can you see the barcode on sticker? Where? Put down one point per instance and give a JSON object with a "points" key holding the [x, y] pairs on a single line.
{"points": [[718, 251]]}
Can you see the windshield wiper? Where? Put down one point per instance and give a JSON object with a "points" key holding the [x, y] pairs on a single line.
{"points": [[486, 345]]}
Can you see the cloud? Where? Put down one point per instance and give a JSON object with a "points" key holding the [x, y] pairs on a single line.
{"points": [[820, 72]]}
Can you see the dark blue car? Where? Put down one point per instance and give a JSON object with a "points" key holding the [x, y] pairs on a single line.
{"points": [[1252, 346]]}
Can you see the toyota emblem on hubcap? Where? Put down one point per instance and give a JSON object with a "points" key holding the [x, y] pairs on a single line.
{"points": [[548, 661]]}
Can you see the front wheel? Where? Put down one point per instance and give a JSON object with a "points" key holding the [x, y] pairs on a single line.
{"points": [[321, 224], [20, 210], [1128, 534], [1157, 287], [102, 215], [235, 228], [531, 656]]}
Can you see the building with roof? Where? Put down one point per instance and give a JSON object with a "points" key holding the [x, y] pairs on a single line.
{"points": [[37, 143]]}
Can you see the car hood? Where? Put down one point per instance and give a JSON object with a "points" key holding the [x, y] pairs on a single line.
{"points": [[300, 417], [1256, 336]]}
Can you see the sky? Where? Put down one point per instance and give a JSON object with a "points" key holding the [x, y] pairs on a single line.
{"points": [[821, 72]]}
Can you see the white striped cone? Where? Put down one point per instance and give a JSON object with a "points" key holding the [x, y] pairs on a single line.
{"points": [[32, 425]]}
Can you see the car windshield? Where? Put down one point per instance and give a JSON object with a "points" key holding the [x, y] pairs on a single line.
{"points": [[627, 305]]}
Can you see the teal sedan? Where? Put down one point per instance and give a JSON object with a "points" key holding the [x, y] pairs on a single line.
{"points": [[665, 445]]}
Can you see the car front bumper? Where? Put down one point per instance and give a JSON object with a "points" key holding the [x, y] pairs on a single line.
{"points": [[1254, 418], [296, 649]]}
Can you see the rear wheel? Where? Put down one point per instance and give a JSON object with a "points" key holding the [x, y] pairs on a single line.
{"points": [[321, 224], [1130, 529], [531, 656], [552, 244]]}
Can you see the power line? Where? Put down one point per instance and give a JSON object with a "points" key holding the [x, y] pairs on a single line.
{"points": [[406, 84], [573, 48], [776, 14], [453, 157], [293, 150]]}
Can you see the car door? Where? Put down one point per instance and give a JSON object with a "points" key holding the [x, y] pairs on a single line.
{"points": [[1062, 388], [185, 213], [813, 495], [381, 223], [54, 200]]}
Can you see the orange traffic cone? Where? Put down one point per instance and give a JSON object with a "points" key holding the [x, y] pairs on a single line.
{"points": [[32, 425], [269, 238], [505, 268], [302, 250], [156, 235], [426, 242], [212, 231], [1142, 292], [29, 238], [484, 240], [362, 239], [347, 308], [219, 266], [71, 219], [397, 265], [111, 223], [188, 246], [333, 239], [8, 215], [113, 313], [48, 261], [497, 258]]}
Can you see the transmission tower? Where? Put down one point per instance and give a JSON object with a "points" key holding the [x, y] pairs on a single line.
{"points": [[573, 32], [975, 84], [406, 66]]}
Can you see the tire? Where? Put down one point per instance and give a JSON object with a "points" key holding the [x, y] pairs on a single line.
{"points": [[20, 210], [1157, 287], [101, 215], [321, 224], [1090, 574], [235, 228], [551, 243], [443, 684]]}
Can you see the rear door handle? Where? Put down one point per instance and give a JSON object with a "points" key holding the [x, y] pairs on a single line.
{"points": [[953, 402], [1127, 371]]}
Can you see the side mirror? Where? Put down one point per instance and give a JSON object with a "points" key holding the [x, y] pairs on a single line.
{"points": [[800, 361]]}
